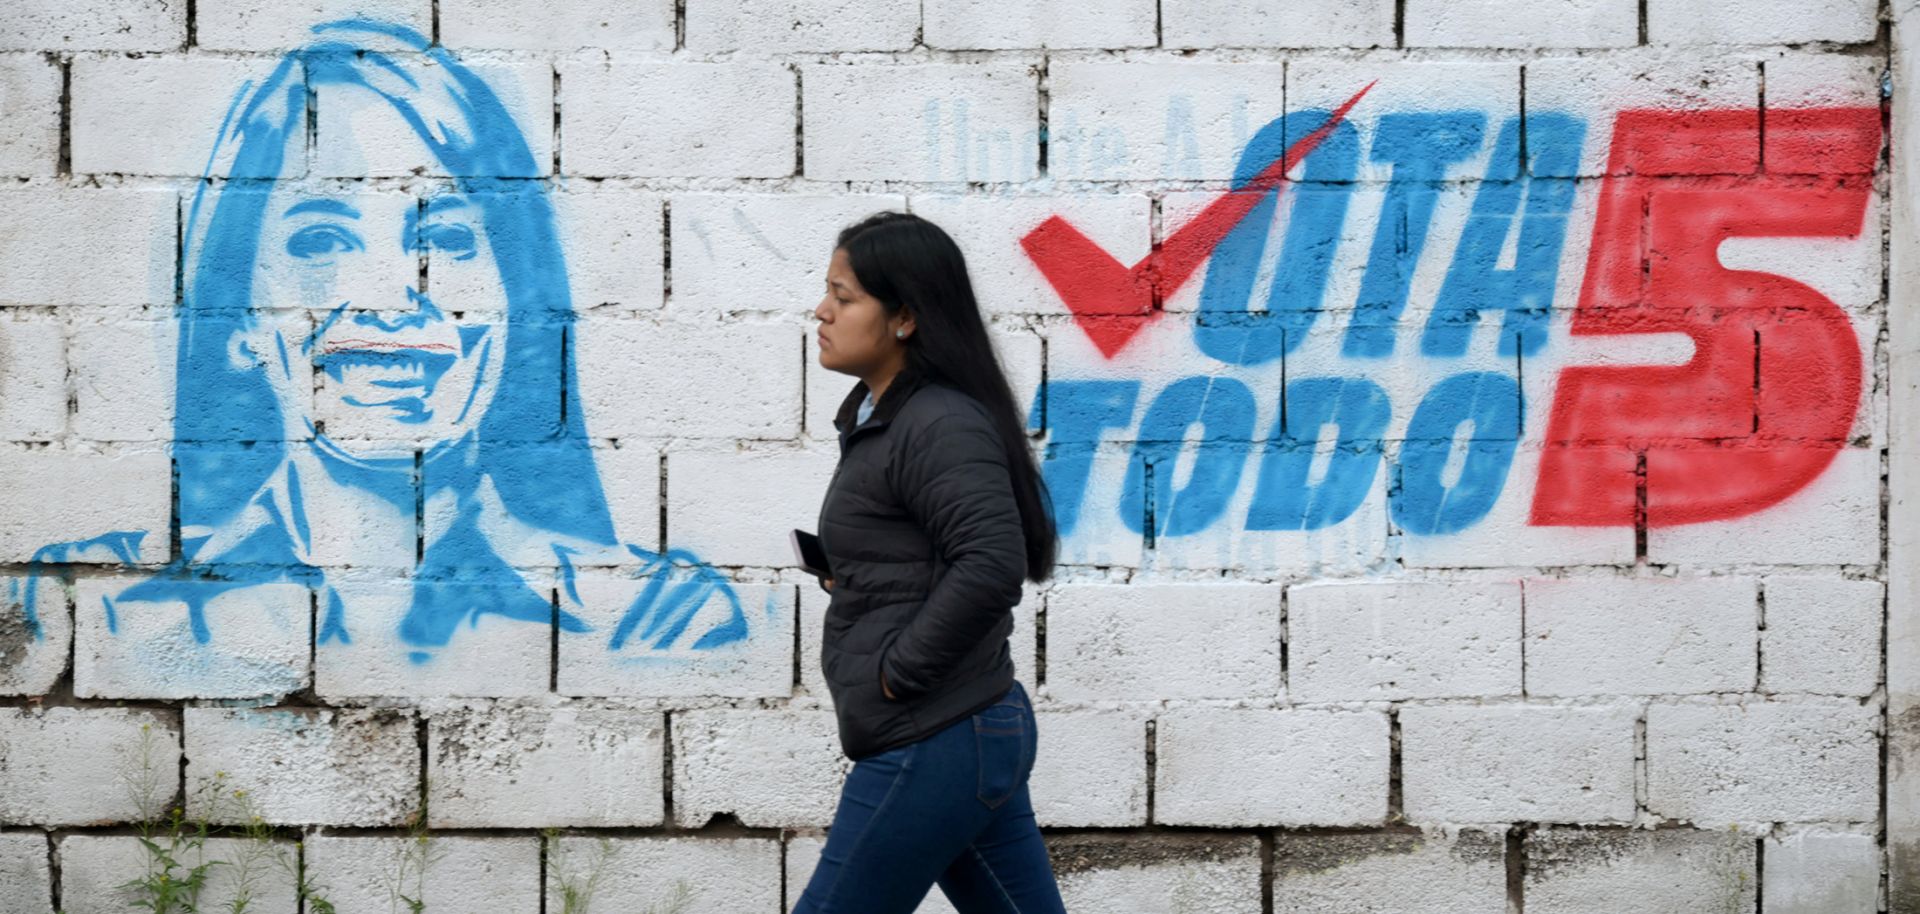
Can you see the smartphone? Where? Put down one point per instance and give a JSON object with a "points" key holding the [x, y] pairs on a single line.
{"points": [[811, 556]]}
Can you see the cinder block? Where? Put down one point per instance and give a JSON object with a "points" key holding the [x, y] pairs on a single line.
{"points": [[629, 117], [686, 875], [303, 766], [1189, 874], [970, 24], [100, 494], [689, 381], [360, 134], [1620, 636], [1807, 760], [1821, 872], [26, 876], [33, 372], [115, 367], [1276, 23], [1665, 871], [922, 122], [1486, 93], [630, 477], [803, 857], [1517, 763], [736, 507], [174, 105], [264, 25], [123, 237], [58, 760], [989, 230], [30, 104], [1156, 121], [772, 769], [1163, 641], [531, 25], [445, 872], [1834, 520], [1233, 768], [1814, 637], [138, 641], [500, 767], [1594, 89], [1394, 640], [1433, 872], [760, 252], [1507, 24], [614, 241], [393, 638], [1091, 769], [1761, 21], [95, 25], [788, 26], [240, 873], [622, 654], [35, 647]]}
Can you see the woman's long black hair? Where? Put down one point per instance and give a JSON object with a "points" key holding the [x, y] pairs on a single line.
{"points": [[905, 261]]}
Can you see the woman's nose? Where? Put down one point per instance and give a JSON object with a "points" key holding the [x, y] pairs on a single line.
{"points": [[820, 310], [419, 312]]}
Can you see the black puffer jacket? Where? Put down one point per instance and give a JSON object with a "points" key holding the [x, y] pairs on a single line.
{"points": [[927, 553]]}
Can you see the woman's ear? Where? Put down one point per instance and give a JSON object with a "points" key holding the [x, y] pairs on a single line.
{"points": [[905, 328], [240, 354]]}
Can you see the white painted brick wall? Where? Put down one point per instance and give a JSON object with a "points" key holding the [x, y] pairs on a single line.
{"points": [[1835, 520], [493, 767], [30, 104], [1091, 769], [33, 371], [1819, 635], [615, 247], [1276, 23], [103, 493], [784, 26], [113, 367], [985, 24], [1506, 24], [344, 767], [1150, 122], [925, 122], [783, 487], [1600, 636], [698, 874], [147, 649], [1574, 871], [265, 25], [1533, 763], [1805, 760], [769, 769], [26, 876], [725, 258], [1163, 873], [1155, 641], [1436, 872], [734, 381], [1821, 872], [496, 656], [1760, 21], [34, 665], [532, 25], [357, 134], [57, 758], [1370, 641], [1291, 768], [635, 117], [1597, 87], [94, 871], [461, 872], [124, 237], [94, 25]]}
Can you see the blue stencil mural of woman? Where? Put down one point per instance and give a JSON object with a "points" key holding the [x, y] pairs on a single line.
{"points": [[376, 399]]}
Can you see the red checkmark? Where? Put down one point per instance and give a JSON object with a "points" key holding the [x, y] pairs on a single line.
{"points": [[1112, 302]]}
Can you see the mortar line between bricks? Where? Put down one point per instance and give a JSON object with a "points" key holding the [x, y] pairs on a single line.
{"points": [[666, 770], [556, 121], [1266, 871], [193, 25], [1760, 873], [1643, 22], [1516, 866]]}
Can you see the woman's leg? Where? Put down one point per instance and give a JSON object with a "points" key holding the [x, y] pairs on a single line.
{"points": [[903, 816], [1005, 868]]}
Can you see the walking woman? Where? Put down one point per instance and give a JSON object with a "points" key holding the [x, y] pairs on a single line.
{"points": [[934, 515]]}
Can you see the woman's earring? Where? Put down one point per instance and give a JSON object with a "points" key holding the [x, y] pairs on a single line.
{"points": [[899, 334]]}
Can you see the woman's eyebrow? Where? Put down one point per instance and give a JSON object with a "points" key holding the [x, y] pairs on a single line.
{"points": [[334, 207]]}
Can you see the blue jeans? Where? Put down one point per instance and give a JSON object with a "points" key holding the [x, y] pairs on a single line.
{"points": [[950, 809]]}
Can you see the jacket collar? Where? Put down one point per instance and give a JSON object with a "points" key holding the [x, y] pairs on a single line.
{"points": [[891, 400]]}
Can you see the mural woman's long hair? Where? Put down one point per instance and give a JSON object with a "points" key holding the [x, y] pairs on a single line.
{"points": [[906, 261]]}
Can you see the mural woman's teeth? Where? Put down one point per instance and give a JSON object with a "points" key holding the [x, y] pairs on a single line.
{"points": [[363, 372]]}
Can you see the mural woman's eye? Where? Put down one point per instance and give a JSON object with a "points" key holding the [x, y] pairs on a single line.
{"points": [[322, 241], [456, 240]]}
